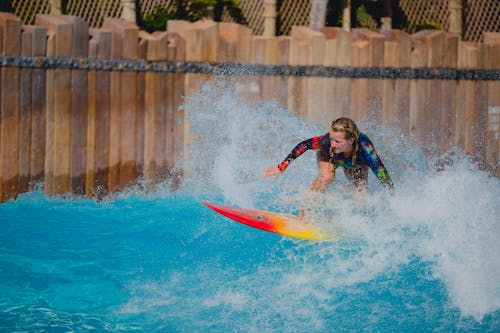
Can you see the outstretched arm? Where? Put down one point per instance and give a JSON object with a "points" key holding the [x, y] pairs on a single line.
{"points": [[302, 147]]}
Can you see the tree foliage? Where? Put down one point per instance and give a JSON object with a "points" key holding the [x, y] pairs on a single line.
{"points": [[191, 10]]}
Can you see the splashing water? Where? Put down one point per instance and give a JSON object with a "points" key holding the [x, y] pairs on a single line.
{"points": [[424, 258]]}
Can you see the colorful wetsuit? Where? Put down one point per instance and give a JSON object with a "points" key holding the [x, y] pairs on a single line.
{"points": [[366, 156]]}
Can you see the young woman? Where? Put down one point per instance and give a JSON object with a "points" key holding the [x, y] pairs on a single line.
{"points": [[342, 146]]}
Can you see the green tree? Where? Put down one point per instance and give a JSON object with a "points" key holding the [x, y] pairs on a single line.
{"points": [[362, 10], [190, 10]]}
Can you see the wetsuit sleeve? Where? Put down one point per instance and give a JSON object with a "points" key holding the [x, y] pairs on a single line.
{"points": [[375, 163], [312, 143]]}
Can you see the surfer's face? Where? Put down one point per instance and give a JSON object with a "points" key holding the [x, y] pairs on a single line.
{"points": [[339, 143]]}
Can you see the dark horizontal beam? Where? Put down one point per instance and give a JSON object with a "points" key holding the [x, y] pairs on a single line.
{"points": [[251, 69]]}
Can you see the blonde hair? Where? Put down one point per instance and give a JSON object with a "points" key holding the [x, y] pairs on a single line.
{"points": [[350, 129]]}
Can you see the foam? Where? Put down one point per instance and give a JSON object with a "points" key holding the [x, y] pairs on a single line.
{"points": [[448, 218]]}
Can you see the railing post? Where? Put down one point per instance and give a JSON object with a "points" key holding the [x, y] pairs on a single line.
{"points": [[128, 11], [55, 7], [318, 14], [10, 28], [346, 16], [455, 18], [269, 18]]}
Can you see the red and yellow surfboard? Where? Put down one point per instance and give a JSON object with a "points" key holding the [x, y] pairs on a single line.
{"points": [[283, 224]]}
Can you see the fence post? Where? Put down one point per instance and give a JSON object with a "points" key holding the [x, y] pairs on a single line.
{"points": [[427, 95], [396, 92], [128, 11], [337, 91], [346, 16], [10, 27], [455, 16], [38, 106], [79, 106], [447, 108], [317, 15], [175, 119], [272, 51], [123, 117], [491, 60], [234, 43], [307, 47], [25, 113], [201, 44], [366, 94], [58, 131], [98, 133], [269, 14], [155, 107]]}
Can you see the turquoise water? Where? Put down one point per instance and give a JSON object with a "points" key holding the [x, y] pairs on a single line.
{"points": [[423, 259]]}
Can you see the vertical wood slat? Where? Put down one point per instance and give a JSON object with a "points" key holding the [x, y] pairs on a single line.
{"points": [[126, 113], [418, 94], [25, 114], [396, 96], [175, 117], [79, 107], [200, 44], [337, 91], [38, 107], [447, 107], [466, 111], [430, 115], [153, 114], [271, 51], [491, 60], [9, 109], [58, 153], [371, 54], [307, 48], [98, 133]]}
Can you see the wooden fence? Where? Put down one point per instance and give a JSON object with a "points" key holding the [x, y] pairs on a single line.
{"points": [[94, 131]]}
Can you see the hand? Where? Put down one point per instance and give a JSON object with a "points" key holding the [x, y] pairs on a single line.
{"points": [[273, 171]]}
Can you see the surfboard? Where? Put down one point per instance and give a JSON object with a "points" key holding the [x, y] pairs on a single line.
{"points": [[283, 224]]}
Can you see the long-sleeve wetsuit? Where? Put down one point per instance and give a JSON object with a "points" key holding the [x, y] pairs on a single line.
{"points": [[366, 156]]}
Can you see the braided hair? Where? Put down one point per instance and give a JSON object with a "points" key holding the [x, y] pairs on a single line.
{"points": [[348, 126]]}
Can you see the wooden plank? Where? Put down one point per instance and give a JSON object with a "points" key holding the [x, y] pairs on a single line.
{"points": [[127, 143], [176, 83], [307, 48], [90, 143], [492, 61], [114, 118], [418, 92], [467, 113], [234, 43], [79, 107], [449, 88], [25, 114], [48, 168], [337, 91], [9, 109], [103, 108], [374, 53], [435, 41], [38, 108], [396, 93], [141, 92], [60, 154], [150, 115], [360, 95]]}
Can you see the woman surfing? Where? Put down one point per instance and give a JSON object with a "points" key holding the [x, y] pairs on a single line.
{"points": [[343, 146]]}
